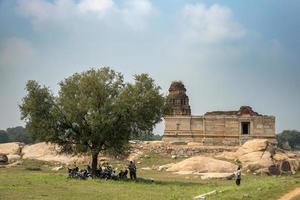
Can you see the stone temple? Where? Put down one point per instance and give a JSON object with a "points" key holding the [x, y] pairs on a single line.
{"points": [[213, 128]]}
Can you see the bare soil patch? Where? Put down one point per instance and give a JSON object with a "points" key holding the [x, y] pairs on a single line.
{"points": [[291, 194]]}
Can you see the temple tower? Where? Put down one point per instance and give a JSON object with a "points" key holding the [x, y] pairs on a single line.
{"points": [[179, 100]]}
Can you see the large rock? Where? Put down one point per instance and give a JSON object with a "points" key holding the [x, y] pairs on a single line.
{"points": [[274, 170], [280, 156], [3, 159], [12, 151], [185, 172], [252, 146], [135, 155], [165, 167], [258, 156], [290, 165], [226, 155], [253, 155], [261, 159], [13, 158], [50, 152], [250, 151], [12, 148], [203, 164], [206, 176]]}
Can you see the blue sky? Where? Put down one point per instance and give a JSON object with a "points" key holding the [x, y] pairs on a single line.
{"points": [[228, 53]]}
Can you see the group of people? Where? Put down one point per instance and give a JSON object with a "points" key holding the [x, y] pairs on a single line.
{"points": [[107, 172], [103, 172]]}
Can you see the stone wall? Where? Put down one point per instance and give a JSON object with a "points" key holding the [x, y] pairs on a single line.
{"points": [[219, 129], [178, 128]]}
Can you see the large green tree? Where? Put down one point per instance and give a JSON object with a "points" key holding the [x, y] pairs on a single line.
{"points": [[94, 111]]}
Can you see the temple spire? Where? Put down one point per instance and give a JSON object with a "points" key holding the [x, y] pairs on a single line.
{"points": [[178, 98]]}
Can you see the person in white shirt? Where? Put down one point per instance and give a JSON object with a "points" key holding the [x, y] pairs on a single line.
{"points": [[238, 175]]}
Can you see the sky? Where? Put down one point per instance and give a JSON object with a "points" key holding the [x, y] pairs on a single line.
{"points": [[227, 53]]}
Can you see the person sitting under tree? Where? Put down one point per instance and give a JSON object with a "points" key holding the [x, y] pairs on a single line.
{"points": [[132, 170]]}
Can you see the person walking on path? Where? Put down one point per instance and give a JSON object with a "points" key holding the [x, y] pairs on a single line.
{"points": [[132, 170], [238, 175]]}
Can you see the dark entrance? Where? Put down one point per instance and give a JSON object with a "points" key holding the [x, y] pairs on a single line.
{"points": [[245, 128]]}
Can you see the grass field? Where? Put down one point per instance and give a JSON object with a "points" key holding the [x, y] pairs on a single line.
{"points": [[27, 182]]}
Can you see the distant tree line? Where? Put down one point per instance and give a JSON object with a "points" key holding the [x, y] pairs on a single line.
{"points": [[148, 137], [289, 139], [15, 134], [19, 134]]}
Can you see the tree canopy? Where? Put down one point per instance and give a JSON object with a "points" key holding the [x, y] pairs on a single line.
{"points": [[95, 111], [289, 137]]}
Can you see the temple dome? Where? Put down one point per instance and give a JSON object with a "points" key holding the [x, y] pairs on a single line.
{"points": [[177, 86]]}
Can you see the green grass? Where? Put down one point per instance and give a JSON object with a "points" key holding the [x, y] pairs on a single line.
{"points": [[23, 183]]}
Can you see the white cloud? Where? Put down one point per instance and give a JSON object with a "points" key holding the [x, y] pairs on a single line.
{"points": [[41, 10], [210, 24], [134, 13], [15, 51], [97, 6]]}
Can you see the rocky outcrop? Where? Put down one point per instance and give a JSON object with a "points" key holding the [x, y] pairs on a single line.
{"points": [[206, 176], [252, 146], [255, 156], [50, 152], [175, 149], [40, 151], [13, 158], [12, 150], [3, 159], [165, 167], [205, 167], [135, 152], [202, 164], [182, 150], [259, 156]]}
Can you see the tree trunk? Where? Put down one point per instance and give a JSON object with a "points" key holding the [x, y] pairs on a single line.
{"points": [[94, 162]]}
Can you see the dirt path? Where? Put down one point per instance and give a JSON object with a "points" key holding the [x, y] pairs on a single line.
{"points": [[291, 194]]}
